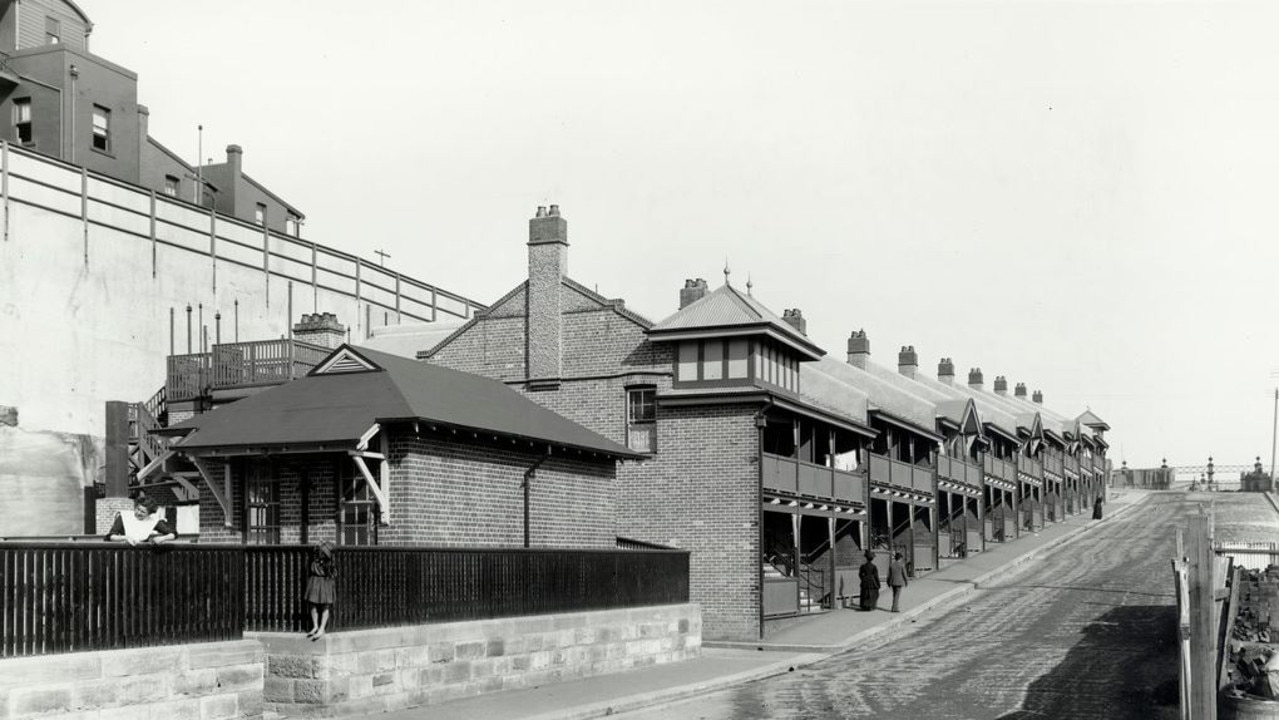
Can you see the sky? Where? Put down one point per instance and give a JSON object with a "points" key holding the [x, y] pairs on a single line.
{"points": [[1075, 195]]}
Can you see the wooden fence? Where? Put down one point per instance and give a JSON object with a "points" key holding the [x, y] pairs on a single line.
{"points": [[63, 597]]}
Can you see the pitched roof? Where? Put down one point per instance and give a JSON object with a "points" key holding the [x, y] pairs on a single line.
{"points": [[727, 309], [884, 396], [990, 413], [331, 406], [1090, 419]]}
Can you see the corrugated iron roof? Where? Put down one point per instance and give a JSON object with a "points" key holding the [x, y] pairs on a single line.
{"points": [[340, 407], [726, 308]]}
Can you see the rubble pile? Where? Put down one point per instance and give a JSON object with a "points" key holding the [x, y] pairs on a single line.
{"points": [[1254, 660]]}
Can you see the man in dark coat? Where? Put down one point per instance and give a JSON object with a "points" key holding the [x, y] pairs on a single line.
{"points": [[868, 574], [1096, 508], [897, 578]]}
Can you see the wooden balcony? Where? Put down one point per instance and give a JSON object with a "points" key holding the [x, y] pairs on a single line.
{"points": [[886, 471], [1030, 466], [240, 365], [956, 470], [1053, 464], [797, 477], [1072, 466], [1001, 469]]}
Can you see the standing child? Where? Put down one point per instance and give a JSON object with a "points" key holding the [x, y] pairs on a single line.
{"points": [[321, 588]]}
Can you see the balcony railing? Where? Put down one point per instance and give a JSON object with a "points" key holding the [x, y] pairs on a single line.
{"points": [[1053, 464], [1030, 466], [797, 477], [237, 365], [960, 471], [1001, 469], [886, 471], [1072, 465]]}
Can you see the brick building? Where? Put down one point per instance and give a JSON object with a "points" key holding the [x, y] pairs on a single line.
{"points": [[371, 448], [60, 99], [773, 464], [742, 464]]}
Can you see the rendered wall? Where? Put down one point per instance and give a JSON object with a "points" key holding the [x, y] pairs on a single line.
{"points": [[85, 303]]}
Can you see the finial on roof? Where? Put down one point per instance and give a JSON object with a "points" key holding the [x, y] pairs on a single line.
{"points": [[727, 272], [749, 285]]}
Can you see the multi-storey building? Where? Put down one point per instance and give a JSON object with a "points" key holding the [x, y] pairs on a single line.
{"points": [[774, 464], [60, 99]]}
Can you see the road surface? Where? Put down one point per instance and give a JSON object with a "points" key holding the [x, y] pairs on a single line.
{"points": [[1087, 631]]}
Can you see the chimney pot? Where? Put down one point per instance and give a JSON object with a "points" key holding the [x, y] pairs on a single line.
{"points": [[858, 349], [1020, 390], [946, 371], [1037, 398], [1001, 385], [975, 379], [541, 211], [795, 319], [554, 211], [692, 291], [907, 361]]}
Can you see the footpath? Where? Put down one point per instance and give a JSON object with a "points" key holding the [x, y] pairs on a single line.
{"points": [[725, 664]]}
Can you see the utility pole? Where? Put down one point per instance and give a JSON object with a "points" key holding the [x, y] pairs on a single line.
{"points": [[1274, 428]]}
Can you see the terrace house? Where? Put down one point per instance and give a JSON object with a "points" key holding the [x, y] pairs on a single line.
{"points": [[754, 455]]}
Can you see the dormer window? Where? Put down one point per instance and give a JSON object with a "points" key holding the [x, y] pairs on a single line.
{"points": [[714, 361]]}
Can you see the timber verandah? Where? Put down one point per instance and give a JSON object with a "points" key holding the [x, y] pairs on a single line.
{"points": [[69, 597]]}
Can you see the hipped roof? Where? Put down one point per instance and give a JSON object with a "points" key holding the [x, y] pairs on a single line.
{"points": [[885, 397], [728, 311], [338, 407]]}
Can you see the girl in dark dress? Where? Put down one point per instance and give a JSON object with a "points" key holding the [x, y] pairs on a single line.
{"points": [[321, 588]]}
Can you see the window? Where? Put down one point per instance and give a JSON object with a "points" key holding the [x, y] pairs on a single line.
{"points": [[641, 419], [172, 185], [259, 214], [262, 507], [22, 120], [101, 128], [359, 514], [52, 31], [291, 225]]}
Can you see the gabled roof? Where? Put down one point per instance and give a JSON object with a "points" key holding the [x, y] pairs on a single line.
{"points": [[726, 311], [354, 387], [617, 306], [993, 417], [1090, 419]]}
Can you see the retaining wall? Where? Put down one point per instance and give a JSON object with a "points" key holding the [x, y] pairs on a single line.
{"points": [[393, 668], [206, 681]]}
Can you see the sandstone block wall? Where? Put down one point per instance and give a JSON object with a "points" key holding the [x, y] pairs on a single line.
{"points": [[388, 669], [206, 681]]}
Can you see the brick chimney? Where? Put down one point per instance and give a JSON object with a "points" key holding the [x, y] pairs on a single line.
{"points": [[321, 329], [1037, 398], [974, 379], [907, 361], [946, 371], [692, 291], [795, 319], [1001, 385], [858, 349], [547, 266], [1020, 390]]}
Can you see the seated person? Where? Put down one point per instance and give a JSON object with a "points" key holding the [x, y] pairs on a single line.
{"points": [[141, 525]]}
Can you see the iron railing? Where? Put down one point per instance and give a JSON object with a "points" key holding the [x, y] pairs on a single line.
{"points": [[65, 597]]}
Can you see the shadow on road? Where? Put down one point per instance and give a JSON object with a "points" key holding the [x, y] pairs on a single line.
{"points": [[1082, 588], [1124, 667]]}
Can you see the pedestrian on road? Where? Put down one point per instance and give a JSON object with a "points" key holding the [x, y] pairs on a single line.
{"points": [[1096, 508], [897, 578], [321, 588], [868, 574]]}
